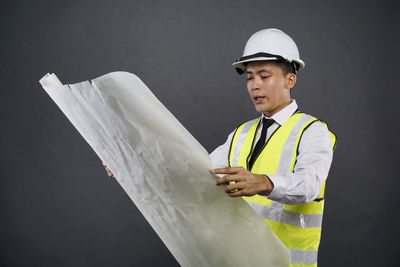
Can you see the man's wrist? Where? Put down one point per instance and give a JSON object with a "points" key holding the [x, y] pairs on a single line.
{"points": [[268, 186]]}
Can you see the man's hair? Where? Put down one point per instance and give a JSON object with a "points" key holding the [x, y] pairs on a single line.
{"points": [[286, 67]]}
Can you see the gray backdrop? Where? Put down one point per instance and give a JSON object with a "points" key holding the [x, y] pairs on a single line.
{"points": [[59, 208]]}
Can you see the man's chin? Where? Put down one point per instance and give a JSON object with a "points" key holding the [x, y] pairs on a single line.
{"points": [[259, 109]]}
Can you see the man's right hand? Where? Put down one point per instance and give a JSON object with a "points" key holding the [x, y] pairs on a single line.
{"points": [[110, 174]]}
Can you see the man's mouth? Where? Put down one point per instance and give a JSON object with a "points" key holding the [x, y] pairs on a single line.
{"points": [[259, 99]]}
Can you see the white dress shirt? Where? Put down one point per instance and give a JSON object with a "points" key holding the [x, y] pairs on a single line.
{"points": [[312, 166]]}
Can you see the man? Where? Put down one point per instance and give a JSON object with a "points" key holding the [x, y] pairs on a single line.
{"points": [[278, 162]]}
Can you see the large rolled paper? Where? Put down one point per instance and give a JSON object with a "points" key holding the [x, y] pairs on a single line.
{"points": [[166, 173]]}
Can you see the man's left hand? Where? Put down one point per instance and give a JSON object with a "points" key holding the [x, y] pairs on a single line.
{"points": [[246, 183]]}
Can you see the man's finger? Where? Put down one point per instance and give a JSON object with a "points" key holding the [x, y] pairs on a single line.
{"points": [[228, 170], [238, 193], [234, 187], [228, 178], [223, 180], [109, 173]]}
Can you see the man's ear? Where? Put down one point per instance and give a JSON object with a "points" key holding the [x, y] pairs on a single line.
{"points": [[290, 80]]}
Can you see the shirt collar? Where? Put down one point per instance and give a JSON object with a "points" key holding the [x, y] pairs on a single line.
{"points": [[283, 115]]}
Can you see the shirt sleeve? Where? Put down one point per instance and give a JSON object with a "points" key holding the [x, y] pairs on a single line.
{"points": [[311, 169], [219, 157]]}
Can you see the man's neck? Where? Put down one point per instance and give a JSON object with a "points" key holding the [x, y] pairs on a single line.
{"points": [[269, 115], [284, 114]]}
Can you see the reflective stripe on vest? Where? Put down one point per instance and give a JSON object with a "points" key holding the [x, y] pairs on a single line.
{"points": [[298, 226]]}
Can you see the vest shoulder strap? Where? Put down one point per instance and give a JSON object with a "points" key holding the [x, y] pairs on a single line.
{"points": [[239, 137]]}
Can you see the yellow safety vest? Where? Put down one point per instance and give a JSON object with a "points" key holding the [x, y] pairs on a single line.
{"points": [[298, 226]]}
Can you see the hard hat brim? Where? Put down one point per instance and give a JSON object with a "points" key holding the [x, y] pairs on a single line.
{"points": [[241, 67]]}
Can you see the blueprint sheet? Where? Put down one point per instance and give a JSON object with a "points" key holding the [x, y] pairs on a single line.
{"points": [[166, 172]]}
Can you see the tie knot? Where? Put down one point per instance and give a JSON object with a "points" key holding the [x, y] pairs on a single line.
{"points": [[267, 122]]}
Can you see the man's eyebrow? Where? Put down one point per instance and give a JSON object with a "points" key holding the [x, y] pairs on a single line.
{"points": [[264, 70], [260, 71]]}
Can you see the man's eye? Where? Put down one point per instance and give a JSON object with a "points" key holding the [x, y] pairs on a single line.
{"points": [[249, 78], [264, 77]]}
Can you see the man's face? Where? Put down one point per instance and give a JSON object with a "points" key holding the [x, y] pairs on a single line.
{"points": [[268, 88]]}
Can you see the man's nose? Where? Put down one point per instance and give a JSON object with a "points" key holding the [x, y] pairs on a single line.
{"points": [[255, 85]]}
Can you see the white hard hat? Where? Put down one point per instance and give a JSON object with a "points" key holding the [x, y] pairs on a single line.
{"points": [[269, 44]]}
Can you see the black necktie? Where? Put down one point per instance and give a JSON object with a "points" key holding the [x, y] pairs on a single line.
{"points": [[260, 143]]}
